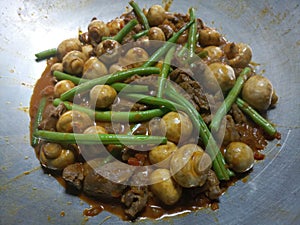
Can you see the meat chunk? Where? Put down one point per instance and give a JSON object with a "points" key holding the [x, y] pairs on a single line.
{"points": [[167, 29], [211, 187], [231, 132], [74, 175], [51, 116], [135, 200], [97, 185], [238, 115], [192, 88]]}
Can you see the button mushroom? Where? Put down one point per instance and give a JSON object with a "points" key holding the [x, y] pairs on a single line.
{"points": [[94, 68], [87, 50], [57, 67], [95, 130], [156, 15], [115, 68], [103, 96], [107, 51], [66, 46], [274, 99], [189, 166], [167, 29], [213, 52], [164, 187], [224, 74], [155, 33], [93, 151], [73, 62], [62, 86], [135, 57], [161, 155], [258, 92], [178, 126], [115, 26], [54, 156], [239, 157], [73, 121], [96, 30], [156, 127], [238, 54], [209, 36]]}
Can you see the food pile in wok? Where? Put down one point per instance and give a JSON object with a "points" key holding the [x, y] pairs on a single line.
{"points": [[150, 114]]}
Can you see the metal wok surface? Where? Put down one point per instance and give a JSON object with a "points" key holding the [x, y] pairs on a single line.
{"points": [[272, 28]]}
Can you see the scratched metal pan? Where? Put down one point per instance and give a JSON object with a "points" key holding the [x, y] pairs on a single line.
{"points": [[272, 28]]}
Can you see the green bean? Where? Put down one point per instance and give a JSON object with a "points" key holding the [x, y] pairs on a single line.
{"points": [[116, 151], [171, 105], [117, 86], [208, 140], [123, 32], [256, 117], [140, 34], [107, 38], [191, 43], [109, 79], [45, 54], [230, 99], [112, 116], [64, 76], [139, 13], [167, 45], [150, 100], [75, 138], [184, 48], [38, 119], [218, 161], [165, 71], [132, 88]]}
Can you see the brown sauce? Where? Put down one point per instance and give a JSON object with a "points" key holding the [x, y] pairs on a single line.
{"points": [[154, 209], [191, 200]]}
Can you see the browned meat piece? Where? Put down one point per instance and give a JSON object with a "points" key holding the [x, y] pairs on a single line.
{"points": [[128, 38], [135, 200], [167, 29], [128, 16], [97, 185], [200, 24], [192, 89], [51, 116], [231, 132], [238, 115], [177, 19], [209, 36], [132, 79], [252, 136], [206, 117], [74, 175], [211, 187]]}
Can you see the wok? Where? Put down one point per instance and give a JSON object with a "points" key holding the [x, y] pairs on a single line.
{"points": [[271, 193]]}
